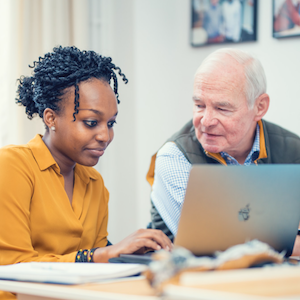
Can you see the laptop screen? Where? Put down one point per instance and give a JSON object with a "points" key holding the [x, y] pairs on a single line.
{"points": [[226, 206]]}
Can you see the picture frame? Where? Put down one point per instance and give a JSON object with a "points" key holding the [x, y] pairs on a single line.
{"points": [[223, 21], [286, 18]]}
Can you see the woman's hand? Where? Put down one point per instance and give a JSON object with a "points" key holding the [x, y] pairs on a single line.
{"points": [[140, 241]]}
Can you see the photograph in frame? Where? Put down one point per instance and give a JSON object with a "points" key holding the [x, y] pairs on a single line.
{"points": [[223, 21], [286, 18]]}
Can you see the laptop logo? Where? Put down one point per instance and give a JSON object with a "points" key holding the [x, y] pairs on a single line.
{"points": [[244, 213]]}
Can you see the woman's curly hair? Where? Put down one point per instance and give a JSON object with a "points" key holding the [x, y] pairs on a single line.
{"points": [[58, 70]]}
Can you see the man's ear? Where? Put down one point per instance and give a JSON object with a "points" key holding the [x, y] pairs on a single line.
{"points": [[49, 117], [261, 106]]}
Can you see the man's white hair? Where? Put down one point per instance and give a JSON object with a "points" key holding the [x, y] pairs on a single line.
{"points": [[255, 78]]}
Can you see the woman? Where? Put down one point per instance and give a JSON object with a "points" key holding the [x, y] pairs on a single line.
{"points": [[53, 205]]}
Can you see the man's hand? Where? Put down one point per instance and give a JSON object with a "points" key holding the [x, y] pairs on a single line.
{"points": [[296, 250]]}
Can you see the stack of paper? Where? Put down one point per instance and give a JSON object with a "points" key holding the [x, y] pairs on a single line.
{"points": [[68, 273]]}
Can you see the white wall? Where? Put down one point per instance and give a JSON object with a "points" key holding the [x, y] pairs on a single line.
{"points": [[149, 40], [118, 164], [30, 29]]}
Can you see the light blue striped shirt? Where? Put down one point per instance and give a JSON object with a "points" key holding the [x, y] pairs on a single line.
{"points": [[172, 171]]}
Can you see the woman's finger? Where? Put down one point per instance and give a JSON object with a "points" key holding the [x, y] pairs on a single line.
{"points": [[157, 235]]}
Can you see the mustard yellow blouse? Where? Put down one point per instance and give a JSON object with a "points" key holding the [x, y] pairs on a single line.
{"points": [[37, 221]]}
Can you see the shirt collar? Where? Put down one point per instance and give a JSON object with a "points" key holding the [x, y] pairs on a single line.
{"points": [[42, 154], [252, 156], [45, 160]]}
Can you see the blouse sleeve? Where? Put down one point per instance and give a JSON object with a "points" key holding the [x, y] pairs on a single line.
{"points": [[16, 191]]}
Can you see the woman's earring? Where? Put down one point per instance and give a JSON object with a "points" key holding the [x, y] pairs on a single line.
{"points": [[53, 128]]}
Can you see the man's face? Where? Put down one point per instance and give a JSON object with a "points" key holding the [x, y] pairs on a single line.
{"points": [[222, 119]]}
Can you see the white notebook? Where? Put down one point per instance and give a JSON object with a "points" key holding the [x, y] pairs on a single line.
{"points": [[68, 273]]}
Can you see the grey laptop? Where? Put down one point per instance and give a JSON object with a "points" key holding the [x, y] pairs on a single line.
{"points": [[225, 206]]}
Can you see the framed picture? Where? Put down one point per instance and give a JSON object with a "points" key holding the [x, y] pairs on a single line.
{"points": [[286, 18], [223, 21]]}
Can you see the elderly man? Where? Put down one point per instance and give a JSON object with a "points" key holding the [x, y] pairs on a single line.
{"points": [[230, 101]]}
